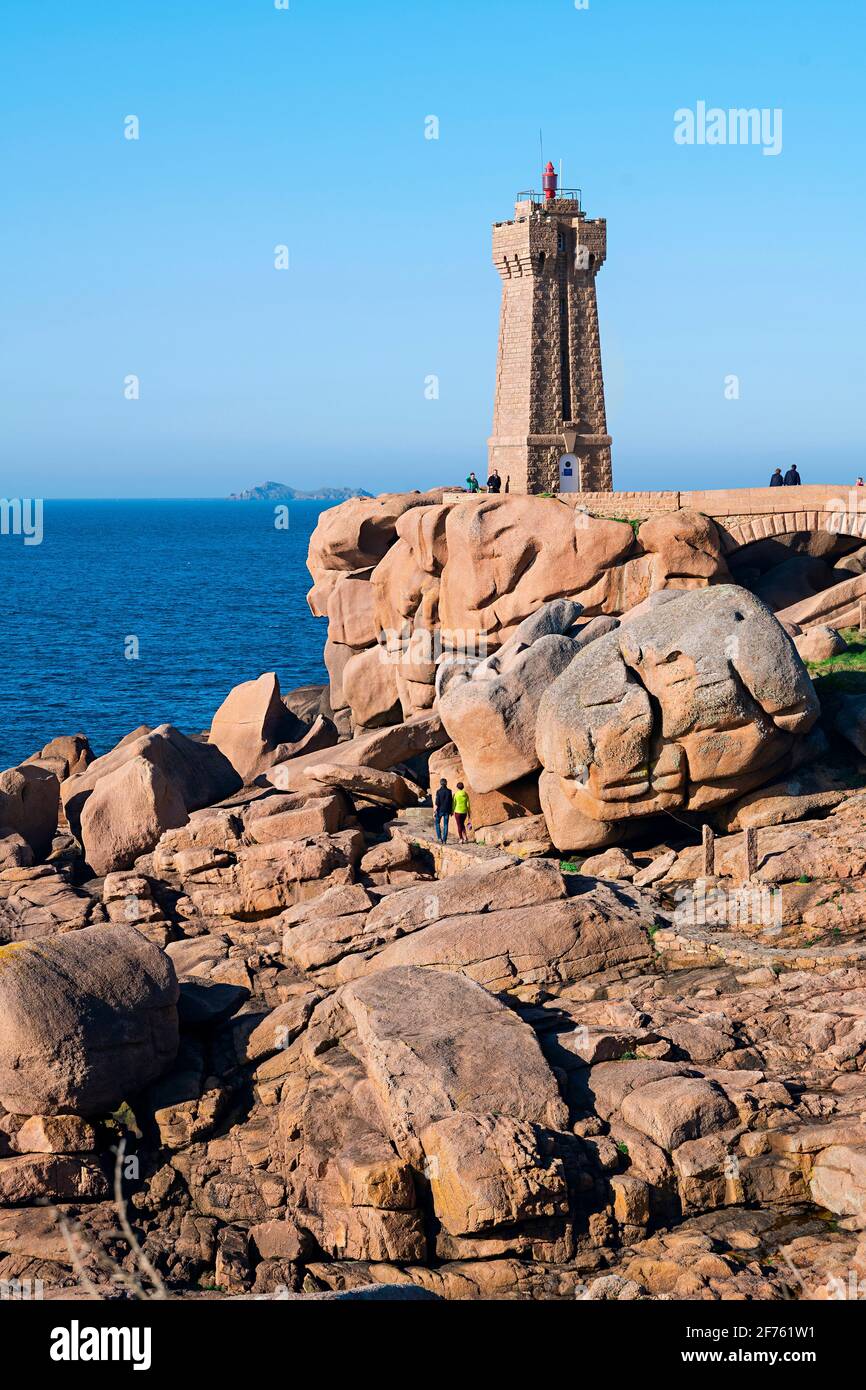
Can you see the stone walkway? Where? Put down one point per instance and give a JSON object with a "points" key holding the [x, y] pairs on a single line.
{"points": [[684, 949], [417, 824]]}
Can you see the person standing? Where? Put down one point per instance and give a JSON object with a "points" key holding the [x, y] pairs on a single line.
{"points": [[461, 811], [494, 482], [792, 477], [777, 480], [442, 810], [472, 483]]}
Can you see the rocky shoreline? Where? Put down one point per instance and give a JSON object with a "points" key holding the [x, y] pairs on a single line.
{"points": [[261, 1033]]}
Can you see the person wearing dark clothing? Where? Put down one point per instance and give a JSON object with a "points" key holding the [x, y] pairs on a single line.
{"points": [[494, 482], [792, 477], [777, 480], [442, 807]]}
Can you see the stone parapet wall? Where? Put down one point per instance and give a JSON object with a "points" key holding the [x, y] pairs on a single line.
{"points": [[743, 515], [624, 506]]}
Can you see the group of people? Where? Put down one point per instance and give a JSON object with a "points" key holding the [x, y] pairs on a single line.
{"points": [[494, 483], [447, 803], [792, 478]]}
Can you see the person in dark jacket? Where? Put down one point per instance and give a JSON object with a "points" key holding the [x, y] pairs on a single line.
{"points": [[792, 477], [494, 482], [777, 480], [442, 807]]}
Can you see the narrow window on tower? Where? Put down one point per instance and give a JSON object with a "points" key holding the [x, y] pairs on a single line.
{"points": [[564, 358]]}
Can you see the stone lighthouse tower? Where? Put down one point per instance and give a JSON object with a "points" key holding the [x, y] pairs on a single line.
{"points": [[549, 404]]}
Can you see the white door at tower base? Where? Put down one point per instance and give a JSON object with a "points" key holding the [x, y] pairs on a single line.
{"points": [[569, 473]]}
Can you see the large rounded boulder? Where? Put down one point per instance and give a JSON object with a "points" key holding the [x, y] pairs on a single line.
{"points": [[490, 708], [87, 1018], [185, 775], [695, 699], [29, 803]]}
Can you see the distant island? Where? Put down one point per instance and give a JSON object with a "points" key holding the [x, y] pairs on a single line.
{"points": [[281, 492]]}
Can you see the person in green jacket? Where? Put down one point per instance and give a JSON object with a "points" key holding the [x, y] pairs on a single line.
{"points": [[472, 483], [461, 811]]}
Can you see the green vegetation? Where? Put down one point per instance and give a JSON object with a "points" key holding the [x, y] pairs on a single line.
{"points": [[123, 1119], [568, 866], [635, 522], [844, 674], [622, 1146]]}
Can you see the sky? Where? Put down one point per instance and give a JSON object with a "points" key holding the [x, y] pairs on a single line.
{"points": [[305, 127]]}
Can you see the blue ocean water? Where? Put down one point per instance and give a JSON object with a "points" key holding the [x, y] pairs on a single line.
{"points": [[212, 590]]}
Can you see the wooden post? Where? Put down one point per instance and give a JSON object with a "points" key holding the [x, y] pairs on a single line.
{"points": [[751, 854], [863, 615], [709, 852]]}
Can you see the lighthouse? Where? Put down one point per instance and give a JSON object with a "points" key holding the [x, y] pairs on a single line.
{"points": [[549, 419]]}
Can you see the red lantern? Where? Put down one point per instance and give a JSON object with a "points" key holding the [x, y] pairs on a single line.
{"points": [[548, 182]]}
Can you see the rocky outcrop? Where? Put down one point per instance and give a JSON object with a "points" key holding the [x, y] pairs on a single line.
{"points": [[138, 803], [688, 704], [380, 749], [86, 1020], [29, 804], [819, 643], [424, 578], [512, 1081], [127, 812], [441, 1089], [350, 1059], [490, 709], [253, 728], [555, 946]]}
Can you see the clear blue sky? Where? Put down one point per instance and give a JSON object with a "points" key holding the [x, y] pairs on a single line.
{"points": [[306, 127]]}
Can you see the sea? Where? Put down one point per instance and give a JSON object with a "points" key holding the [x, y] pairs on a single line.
{"points": [[148, 612]]}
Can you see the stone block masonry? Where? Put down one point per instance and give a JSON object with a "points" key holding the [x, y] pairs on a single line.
{"points": [[549, 397], [743, 515]]}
